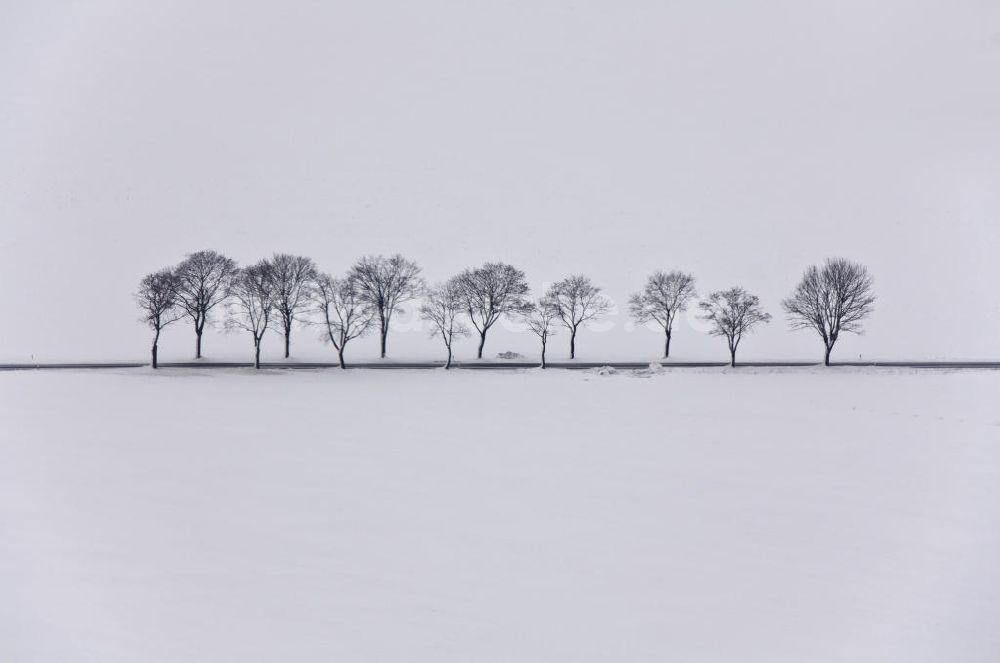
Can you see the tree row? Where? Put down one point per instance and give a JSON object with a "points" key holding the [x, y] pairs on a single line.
{"points": [[279, 292]]}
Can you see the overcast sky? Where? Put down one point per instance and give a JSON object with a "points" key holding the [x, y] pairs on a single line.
{"points": [[741, 141]]}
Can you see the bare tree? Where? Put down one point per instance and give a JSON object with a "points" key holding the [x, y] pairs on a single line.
{"points": [[733, 313], [441, 308], [252, 306], [490, 292], [157, 297], [541, 320], [346, 315], [385, 283], [833, 299], [292, 277], [576, 300], [664, 296], [203, 283]]}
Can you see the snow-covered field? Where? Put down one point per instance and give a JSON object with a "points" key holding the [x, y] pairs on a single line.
{"points": [[800, 515]]}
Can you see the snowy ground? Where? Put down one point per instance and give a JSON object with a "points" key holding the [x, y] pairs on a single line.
{"points": [[799, 515]]}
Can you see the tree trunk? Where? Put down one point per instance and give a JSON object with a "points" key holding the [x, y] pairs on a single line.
{"points": [[155, 365], [340, 357], [572, 344], [288, 340], [256, 356], [448, 363], [482, 342], [543, 354], [666, 347], [197, 344], [384, 333], [732, 357], [826, 357]]}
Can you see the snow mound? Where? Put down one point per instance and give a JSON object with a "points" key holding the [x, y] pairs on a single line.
{"points": [[653, 369]]}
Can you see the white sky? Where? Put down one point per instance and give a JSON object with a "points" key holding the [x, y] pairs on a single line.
{"points": [[740, 141]]}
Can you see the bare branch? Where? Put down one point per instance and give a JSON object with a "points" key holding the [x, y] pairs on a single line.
{"points": [[345, 313], [833, 299], [203, 283], [252, 305], [664, 296], [541, 320], [490, 292], [441, 308], [732, 313], [292, 277], [157, 298], [575, 300], [386, 283]]}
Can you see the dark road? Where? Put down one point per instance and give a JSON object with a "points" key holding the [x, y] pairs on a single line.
{"points": [[508, 365]]}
